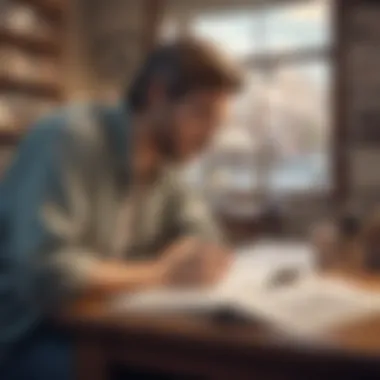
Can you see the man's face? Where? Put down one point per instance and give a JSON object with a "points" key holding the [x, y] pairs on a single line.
{"points": [[194, 120]]}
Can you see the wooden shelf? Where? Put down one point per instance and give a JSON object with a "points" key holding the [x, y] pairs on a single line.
{"points": [[31, 88], [49, 44], [29, 42], [55, 9]]}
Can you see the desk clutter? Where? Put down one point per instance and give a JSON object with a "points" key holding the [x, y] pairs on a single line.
{"points": [[31, 46], [350, 242]]}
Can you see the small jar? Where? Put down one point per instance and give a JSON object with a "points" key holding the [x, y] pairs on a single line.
{"points": [[325, 240], [350, 247], [371, 243]]}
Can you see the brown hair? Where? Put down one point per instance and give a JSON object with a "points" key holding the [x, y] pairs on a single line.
{"points": [[184, 66]]}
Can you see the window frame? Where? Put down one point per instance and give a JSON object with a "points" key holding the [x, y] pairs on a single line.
{"points": [[331, 54]]}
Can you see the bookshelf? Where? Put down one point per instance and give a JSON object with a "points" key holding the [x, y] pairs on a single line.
{"points": [[29, 42], [31, 49], [54, 8]]}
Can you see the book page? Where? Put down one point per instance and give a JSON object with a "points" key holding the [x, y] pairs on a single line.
{"points": [[309, 304], [249, 274], [256, 266], [312, 306]]}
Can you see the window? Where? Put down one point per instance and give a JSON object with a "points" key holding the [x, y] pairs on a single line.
{"points": [[284, 111]]}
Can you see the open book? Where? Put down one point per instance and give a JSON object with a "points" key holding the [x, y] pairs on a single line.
{"points": [[272, 282]]}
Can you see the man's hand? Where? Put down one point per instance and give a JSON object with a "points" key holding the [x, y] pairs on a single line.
{"points": [[217, 261], [187, 262], [190, 262]]}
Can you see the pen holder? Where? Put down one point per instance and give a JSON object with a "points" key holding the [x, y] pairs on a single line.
{"points": [[325, 239], [371, 243], [350, 248]]}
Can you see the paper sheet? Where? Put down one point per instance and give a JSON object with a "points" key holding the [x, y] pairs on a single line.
{"points": [[310, 305], [250, 273], [255, 265]]}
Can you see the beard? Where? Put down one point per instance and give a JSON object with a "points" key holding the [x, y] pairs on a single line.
{"points": [[164, 136]]}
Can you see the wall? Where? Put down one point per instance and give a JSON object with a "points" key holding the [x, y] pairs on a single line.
{"points": [[361, 63], [78, 73], [115, 35]]}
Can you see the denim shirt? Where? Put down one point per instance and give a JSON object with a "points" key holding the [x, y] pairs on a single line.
{"points": [[58, 206]]}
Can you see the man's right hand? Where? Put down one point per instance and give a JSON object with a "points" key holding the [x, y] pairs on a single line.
{"points": [[187, 263], [180, 264], [184, 263]]}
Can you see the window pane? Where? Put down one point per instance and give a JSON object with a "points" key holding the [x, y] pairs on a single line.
{"points": [[168, 30], [285, 115], [270, 29], [300, 126], [251, 105], [298, 26], [234, 31], [281, 122]]}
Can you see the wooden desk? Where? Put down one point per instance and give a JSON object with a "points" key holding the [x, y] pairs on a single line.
{"points": [[202, 349]]}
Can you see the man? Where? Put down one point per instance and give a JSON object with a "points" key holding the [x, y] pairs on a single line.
{"points": [[91, 204]]}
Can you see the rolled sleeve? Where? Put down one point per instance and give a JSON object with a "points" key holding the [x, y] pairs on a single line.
{"points": [[74, 265]]}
